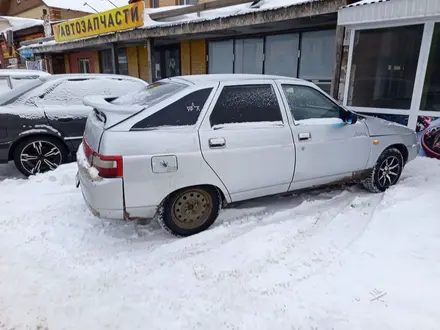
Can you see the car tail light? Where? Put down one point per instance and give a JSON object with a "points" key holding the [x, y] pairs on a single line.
{"points": [[107, 166]]}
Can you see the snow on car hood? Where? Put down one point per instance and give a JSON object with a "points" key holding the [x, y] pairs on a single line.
{"points": [[380, 127]]}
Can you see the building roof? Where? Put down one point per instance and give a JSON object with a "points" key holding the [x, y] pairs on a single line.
{"points": [[80, 5], [19, 23], [364, 2], [386, 11], [251, 13], [207, 15]]}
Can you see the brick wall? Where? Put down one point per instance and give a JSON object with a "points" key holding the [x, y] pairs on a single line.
{"points": [[193, 56]]}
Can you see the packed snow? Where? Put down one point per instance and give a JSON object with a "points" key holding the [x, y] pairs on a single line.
{"points": [[336, 258], [89, 6]]}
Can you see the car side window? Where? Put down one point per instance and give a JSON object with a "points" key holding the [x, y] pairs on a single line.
{"points": [[246, 104], [183, 112], [308, 103]]}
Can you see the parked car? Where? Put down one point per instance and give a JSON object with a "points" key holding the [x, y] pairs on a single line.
{"points": [[183, 147], [13, 78], [42, 122]]}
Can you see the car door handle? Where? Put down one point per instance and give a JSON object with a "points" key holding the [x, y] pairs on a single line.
{"points": [[217, 143], [304, 136]]}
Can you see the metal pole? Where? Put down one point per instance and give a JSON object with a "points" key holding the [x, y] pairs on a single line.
{"points": [[150, 62], [115, 61]]}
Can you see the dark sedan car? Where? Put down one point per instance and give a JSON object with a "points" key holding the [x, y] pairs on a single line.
{"points": [[42, 122]]}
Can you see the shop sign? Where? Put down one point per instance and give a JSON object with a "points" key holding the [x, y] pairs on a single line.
{"points": [[123, 18], [26, 52]]}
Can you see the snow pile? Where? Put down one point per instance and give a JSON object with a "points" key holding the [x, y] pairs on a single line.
{"points": [[98, 5], [229, 11], [334, 259], [20, 23]]}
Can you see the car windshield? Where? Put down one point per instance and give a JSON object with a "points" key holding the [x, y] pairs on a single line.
{"points": [[151, 94]]}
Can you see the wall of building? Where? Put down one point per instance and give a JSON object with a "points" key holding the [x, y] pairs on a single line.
{"points": [[36, 12], [193, 56], [137, 57], [17, 9]]}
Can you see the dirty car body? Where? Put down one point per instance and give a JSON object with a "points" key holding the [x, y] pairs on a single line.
{"points": [[46, 116], [232, 137]]}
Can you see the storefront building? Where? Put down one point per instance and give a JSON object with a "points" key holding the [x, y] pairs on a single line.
{"points": [[393, 67], [298, 40]]}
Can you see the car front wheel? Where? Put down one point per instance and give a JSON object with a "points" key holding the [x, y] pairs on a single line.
{"points": [[39, 154], [190, 210], [386, 172]]}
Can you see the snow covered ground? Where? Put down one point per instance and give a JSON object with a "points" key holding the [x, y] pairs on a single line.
{"points": [[334, 259]]}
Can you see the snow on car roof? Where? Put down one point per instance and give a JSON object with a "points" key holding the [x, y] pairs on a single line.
{"points": [[80, 5], [198, 79], [22, 72], [88, 76]]}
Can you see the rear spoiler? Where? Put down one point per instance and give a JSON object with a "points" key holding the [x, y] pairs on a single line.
{"points": [[108, 113]]}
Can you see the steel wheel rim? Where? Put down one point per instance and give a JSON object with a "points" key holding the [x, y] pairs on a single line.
{"points": [[389, 171], [191, 209], [40, 156]]}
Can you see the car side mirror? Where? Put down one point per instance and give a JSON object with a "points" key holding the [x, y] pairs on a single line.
{"points": [[349, 117]]}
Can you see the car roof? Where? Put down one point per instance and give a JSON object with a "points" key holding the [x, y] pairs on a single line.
{"points": [[203, 78], [22, 73], [88, 76]]}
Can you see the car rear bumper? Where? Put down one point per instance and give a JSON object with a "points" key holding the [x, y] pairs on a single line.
{"points": [[104, 197]]}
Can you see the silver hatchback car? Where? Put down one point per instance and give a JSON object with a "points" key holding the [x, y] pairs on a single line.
{"points": [[184, 147]]}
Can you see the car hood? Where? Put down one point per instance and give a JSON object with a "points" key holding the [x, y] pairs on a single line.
{"points": [[380, 127]]}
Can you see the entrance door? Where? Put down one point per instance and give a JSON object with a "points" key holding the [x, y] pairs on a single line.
{"points": [[326, 147], [247, 141], [58, 64], [166, 61]]}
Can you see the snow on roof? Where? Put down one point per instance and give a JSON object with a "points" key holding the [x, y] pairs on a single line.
{"points": [[207, 15], [20, 23], [79, 5], [364, 2]]}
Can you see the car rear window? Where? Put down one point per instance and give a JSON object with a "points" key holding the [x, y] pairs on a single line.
{"points": [[150, 95]]}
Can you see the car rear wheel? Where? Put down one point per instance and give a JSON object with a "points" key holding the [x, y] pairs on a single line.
{"points": [[38, 155], [190, 211], [386, 172]]}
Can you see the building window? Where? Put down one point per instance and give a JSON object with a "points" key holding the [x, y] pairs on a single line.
{"points": [[384, 65], [123, 61], [155, 3], [187, 2], [431, 88], [106, 61], [84, 65]]}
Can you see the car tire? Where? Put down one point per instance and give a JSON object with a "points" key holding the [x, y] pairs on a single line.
{"points": [[190, 210], [386, 172], [39, 154]]}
